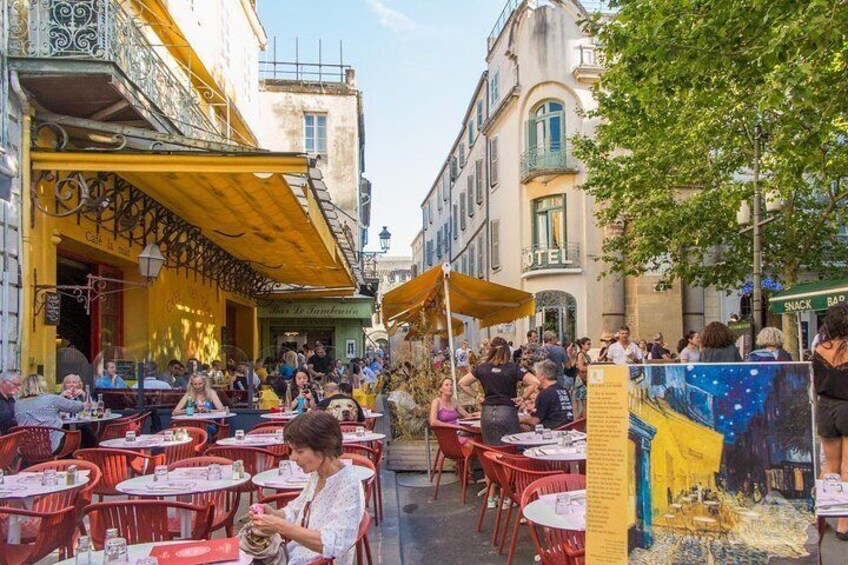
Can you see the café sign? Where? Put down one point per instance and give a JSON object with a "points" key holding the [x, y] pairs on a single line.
{"points": [[348, 309], [814, 300]]}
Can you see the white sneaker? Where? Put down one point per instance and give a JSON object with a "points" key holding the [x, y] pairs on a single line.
{"points": [[506, 504], [492, 502]]}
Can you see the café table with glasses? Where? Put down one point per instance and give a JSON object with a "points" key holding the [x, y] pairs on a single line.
{"points": [[361, 435], [24, 487], [139, 554], [542, 436], [255, 440], [181, 484], [146, 442], [73, 420], [213, 415], [563, 510], [289, 476]]}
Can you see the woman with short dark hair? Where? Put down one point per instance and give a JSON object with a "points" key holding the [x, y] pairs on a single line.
{"points": [[324, 520], [499, 376], [718, 344]]}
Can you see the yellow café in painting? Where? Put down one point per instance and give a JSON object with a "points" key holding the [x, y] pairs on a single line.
{"points": [[101, 221]]}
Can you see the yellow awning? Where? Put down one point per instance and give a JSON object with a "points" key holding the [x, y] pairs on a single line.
{"points": [[490, 303], [240, 202]]}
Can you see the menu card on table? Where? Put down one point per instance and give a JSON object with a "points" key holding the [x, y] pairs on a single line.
{"points": [[197, 553]]}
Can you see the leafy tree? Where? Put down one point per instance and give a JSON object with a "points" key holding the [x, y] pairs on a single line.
{"points": [[686, 83]]}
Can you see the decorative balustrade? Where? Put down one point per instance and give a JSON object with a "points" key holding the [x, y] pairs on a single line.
{"points": [[545, 161]]}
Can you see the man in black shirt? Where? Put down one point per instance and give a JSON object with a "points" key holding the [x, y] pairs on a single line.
{"points": [[553, 404], [10, 382], [320, 364]]}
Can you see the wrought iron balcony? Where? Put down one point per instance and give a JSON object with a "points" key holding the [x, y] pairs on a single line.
{"points": [[107, 31], [543, 258], [545, 162]]}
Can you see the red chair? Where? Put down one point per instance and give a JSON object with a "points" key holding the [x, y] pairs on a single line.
{"points": [[518, 472], [577, 425], [280, 500], [281, 450], [46, 504], [269, 425], [144, 521], [362, 543], [117, 429], [375, 454], [9, 462], [56, 530], [490, 471], [86, 494], [255, 459], [363, 461], [226, 501], [35, 445], [118, 465], [194, 448], [451, 448], [554, 546], [223, 427]]}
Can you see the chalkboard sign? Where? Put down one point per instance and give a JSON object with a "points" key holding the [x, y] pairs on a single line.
{"points": [[125, 369], [52, 308]]}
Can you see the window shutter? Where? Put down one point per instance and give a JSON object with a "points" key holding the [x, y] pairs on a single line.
{"points": [[470, 194], [481, 259], [493, 161], [478, 168], [462, 210], [455, 220], [531, 134], [496, 244], [472, 259]]}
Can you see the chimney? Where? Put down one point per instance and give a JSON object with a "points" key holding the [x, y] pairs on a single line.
{"points": [[350, 78]]}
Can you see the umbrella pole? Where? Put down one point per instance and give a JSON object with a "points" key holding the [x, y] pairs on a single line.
{"points": [[800, 338], [446, 268]]}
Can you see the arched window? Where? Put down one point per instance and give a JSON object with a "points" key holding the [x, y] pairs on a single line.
{"points": [[546, 127], [559, 313]]}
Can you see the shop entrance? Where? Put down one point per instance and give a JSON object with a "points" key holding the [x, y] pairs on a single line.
{"points": [[287, 338]]}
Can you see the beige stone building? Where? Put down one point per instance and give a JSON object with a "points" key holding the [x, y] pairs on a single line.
{"points": [[528, 224]]}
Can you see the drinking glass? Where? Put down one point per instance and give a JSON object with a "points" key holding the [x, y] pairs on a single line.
{"points": [[226, 409], [563, 503], [169, 436], [107, 413], [147, 561], [49, 478], [547, 434], [116, 551], [214, 473], [160, 473], [278, 435], [130, 436], [539, 429], [832, 482], [239, 435], [284, 469], [360, 431]]}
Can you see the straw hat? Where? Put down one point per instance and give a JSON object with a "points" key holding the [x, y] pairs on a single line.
{"points": [[606, 336]]}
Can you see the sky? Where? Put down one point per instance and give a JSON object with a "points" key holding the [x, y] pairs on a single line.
{"points": [[417, 63]]}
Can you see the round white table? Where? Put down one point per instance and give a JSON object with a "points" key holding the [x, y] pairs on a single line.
{"points": [[75, 420], [181, 484], [474, 423], [143, 442], [285, 416], [142, 550], [369, 414], [23, 488], [531, 438], [542, 511], [216, 415], [255, 440], [297, 479], [555, 453], [351, 437]]}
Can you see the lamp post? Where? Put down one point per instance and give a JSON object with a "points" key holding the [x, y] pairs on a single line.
{"points": [[385, 243]]}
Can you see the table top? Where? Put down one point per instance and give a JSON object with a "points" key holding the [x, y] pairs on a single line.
{"points": [[255, 440], [75, 419], [142, 550], [216, 415], [181, 482], [831, 502], [146, 441], [469, 422], [297, 479], [542, 511], [351, 437], [555, 453], [530, 438], [280, 415], [24, 485]]}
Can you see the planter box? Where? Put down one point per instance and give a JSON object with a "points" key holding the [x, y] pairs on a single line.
{"points": [[411, 455]]}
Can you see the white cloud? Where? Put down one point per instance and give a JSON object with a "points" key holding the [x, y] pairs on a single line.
{"points": [[391, 19]]}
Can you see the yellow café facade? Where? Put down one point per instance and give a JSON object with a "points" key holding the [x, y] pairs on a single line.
{"points": [[232, 230]]}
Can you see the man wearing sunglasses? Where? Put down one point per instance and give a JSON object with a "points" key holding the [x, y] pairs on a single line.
{"points": [[10, 382]]}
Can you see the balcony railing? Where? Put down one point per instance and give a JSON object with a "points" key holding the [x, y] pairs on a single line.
{"points": [[543, 258], [545, 161], [105, 30]]}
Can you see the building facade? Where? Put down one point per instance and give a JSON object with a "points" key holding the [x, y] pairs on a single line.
{"points": [[137, 139], [529, 225]]}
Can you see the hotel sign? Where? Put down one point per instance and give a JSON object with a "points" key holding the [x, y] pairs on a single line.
{"points": [[551, 258], [332, 309]]}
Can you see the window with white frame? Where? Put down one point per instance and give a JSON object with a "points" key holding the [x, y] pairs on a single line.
{"points": [[470, 194], [493, 161], [478, 178], [315, 133], [546, 127], [495, 244]]}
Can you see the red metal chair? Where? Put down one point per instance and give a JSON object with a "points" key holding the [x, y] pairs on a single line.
{"points": [[269, 425], [554, 546], [282, 450], [226, 501], [144, 521], [490, 470], [518, 472], [451, 448], [46, 504], [9, 461], [118, 465], [56, 530], [363, 461], [255, 459], [86, 493], [194, 448], [375, 454], [577, 425], [362, 543], [117, 428], [35, 445], [281, 499]]}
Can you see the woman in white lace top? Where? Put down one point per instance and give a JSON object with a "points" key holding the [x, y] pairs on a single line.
{"points": [[324, 520]]}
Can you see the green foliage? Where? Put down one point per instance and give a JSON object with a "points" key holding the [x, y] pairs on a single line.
{"points": [[687, 81]]}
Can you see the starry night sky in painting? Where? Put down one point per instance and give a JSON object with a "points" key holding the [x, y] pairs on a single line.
{"points": [[739, 390]]}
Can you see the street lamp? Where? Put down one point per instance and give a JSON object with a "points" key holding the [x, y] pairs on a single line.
{"points": [[150, 262], [385, 239]]}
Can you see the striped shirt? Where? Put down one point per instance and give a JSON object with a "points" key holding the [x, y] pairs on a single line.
{"points": [[43, 410]]}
